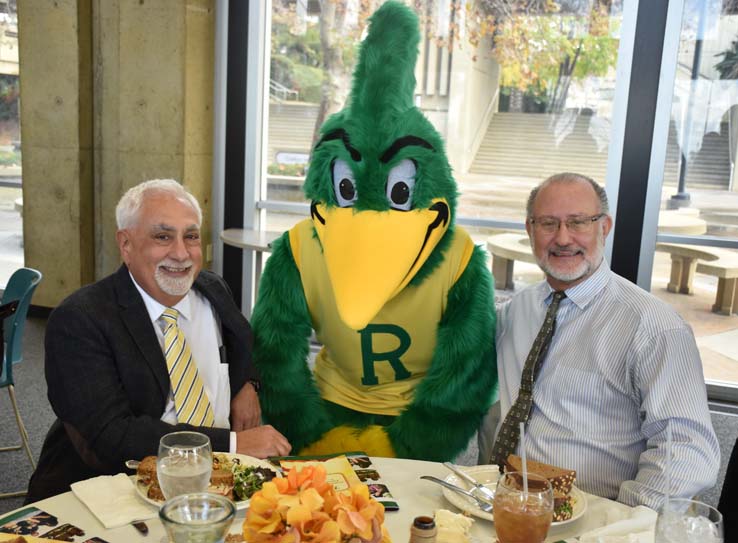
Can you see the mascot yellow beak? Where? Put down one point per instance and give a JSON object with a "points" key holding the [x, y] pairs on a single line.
{"points": [[372, 255]]}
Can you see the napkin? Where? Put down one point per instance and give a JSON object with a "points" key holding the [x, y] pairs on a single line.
{"points": [[635, 526], [113, 500]]}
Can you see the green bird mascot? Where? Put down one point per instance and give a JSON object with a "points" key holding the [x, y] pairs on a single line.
{"points": [[399, 297]]}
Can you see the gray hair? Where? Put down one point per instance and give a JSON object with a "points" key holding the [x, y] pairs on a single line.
{"points": [[568, 177], [126, 212]]}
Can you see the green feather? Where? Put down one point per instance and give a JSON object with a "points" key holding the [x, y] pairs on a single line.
{"points": [[384, 78], [380, 111]]}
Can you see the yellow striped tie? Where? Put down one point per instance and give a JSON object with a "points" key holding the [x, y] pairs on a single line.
{"points": [[190, 398]]}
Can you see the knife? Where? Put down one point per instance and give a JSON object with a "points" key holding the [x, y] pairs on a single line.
{"points": [[484, 505], [141, 527], [487, 494]]}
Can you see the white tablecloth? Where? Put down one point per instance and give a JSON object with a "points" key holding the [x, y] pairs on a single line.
{"points": [[415, 497]]}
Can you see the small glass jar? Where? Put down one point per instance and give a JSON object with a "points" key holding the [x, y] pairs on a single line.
{"points": [[423, 530]]}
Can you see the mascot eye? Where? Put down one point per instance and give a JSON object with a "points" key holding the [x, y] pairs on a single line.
{"points": [[400, 184], [344, 184]]}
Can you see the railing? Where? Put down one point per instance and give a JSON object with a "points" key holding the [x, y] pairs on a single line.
{"points": [[280, 92]]}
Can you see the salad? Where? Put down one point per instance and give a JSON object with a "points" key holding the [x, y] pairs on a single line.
{"points": [[246, 479]]}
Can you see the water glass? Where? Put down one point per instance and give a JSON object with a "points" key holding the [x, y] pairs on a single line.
{"points": [[688, 521], [521, 517], [197, 518], [184, 463]]}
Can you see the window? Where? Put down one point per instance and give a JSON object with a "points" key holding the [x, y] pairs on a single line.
{"points": [[510, 115], [549, 90], [11, 197], [697, 250]]}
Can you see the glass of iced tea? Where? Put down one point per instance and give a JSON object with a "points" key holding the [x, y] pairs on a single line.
{"points": [[521, 517]]}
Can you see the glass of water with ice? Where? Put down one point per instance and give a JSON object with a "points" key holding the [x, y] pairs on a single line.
{"points": [[184, 463], [688, 521]]}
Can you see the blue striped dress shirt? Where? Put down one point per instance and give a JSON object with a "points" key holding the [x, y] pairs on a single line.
{"points": [[621, 365]]}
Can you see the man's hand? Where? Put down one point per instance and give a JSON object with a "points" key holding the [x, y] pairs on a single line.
{"points": [[261, 442], [245, 409]]}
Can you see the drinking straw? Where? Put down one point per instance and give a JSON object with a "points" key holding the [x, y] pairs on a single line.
{"points": [[525, 461], [669, 442]]}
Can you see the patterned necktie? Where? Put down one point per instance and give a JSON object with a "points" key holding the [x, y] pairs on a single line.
{"points": [[190, 399], [507, 439]]}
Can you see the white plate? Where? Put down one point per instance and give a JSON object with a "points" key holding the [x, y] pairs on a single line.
{"points": [[488, 475], [244, 460]]}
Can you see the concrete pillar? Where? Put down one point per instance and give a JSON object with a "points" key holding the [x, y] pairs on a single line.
{"points": [[154, 91], [56, 121], [127, 96], [473, 98]]}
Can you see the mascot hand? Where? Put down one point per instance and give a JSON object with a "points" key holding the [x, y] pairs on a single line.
{"points": [[372, 440]]}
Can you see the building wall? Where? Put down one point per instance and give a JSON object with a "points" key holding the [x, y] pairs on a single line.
{"points": [[457, 90], [475, 85], [113, 92]]}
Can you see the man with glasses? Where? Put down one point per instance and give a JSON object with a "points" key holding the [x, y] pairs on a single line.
{"points": [[599, 370]]}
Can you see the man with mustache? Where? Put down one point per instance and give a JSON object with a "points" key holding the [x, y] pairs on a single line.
{"points": [[617, 370], [111, 377]]}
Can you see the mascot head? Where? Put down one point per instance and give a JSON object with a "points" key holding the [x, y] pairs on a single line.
{"points": [[383, 197]]}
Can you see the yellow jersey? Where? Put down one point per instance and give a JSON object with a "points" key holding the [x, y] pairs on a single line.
{"points": [[376, 369]]}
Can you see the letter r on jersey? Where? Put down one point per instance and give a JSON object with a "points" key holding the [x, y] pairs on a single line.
{"points": [[369, 357]]}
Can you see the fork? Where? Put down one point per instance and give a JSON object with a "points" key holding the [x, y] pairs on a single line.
{"points": [[477, 487], [483, 505]]}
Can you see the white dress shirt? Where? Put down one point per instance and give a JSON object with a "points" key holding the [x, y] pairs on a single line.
{"points": [[201, 327], [621, 365]]}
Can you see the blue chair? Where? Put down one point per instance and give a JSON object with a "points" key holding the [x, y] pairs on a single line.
{"points": [[20, 288]]}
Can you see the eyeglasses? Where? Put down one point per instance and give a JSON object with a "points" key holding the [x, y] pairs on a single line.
{"points": [[576, 225]]}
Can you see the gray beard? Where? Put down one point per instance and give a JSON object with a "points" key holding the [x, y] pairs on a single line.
{"points": [[172, 285], [588, 266]]}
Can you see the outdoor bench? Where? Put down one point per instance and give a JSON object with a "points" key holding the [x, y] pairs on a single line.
{"points": [[505, 250], [725, 268]]}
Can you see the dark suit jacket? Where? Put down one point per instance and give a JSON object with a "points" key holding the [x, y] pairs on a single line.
{"points": [[108, 381], [729, 497]]}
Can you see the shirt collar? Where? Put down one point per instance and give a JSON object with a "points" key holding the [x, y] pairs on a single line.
{"points": [[155, 309], [583, 293]]}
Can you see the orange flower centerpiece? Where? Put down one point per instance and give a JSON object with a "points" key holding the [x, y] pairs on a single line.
{"points": [[304, 508]]}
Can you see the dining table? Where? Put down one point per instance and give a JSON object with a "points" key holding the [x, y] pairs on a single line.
{"points": [[415, 497]]}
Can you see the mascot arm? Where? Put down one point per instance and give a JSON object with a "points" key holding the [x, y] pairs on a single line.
{"points": [[456, 393], [289, 397]]}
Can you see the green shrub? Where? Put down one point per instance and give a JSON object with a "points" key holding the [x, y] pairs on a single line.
{"points": [[308, 82], [10, 158], [297, 170]]}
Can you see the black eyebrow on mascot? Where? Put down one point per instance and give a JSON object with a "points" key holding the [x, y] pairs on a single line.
{"points": [[400, 298]]}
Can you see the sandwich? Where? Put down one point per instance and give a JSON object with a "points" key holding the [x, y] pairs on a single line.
{"points": [[146, 471], [561, 480], [228, 478], [146, 477], [221, 480]]}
